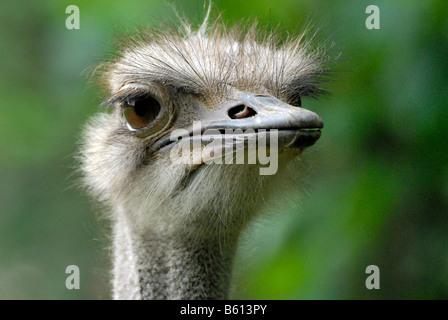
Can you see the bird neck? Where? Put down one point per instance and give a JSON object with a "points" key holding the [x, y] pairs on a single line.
{"points": [[155, 266]]}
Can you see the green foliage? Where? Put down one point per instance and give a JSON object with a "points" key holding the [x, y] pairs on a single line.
{"points": [[379, 189]]}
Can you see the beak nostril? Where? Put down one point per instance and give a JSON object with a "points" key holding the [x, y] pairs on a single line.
{"points": [[241, 111]]}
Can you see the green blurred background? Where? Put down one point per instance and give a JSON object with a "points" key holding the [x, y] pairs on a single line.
{"points": [[379, 188]]}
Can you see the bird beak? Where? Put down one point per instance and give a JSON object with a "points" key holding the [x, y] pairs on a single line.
{"points": [[295, 127]]}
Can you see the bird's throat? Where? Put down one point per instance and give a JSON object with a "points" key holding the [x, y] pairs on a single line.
{"points": [[154, 266]]}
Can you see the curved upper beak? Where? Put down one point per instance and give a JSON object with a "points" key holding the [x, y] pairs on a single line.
{"points": [[267, 112]]}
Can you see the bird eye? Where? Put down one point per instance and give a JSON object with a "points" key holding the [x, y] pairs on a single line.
{"points": [[140, 112]]}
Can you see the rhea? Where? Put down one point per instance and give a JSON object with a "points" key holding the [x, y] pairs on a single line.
{"points": [[176, 225]]}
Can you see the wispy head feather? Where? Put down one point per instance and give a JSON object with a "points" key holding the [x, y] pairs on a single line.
{"points": [[208, 60]]}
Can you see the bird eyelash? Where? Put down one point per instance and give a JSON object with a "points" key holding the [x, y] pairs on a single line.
{"points": [[128, 96]]}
